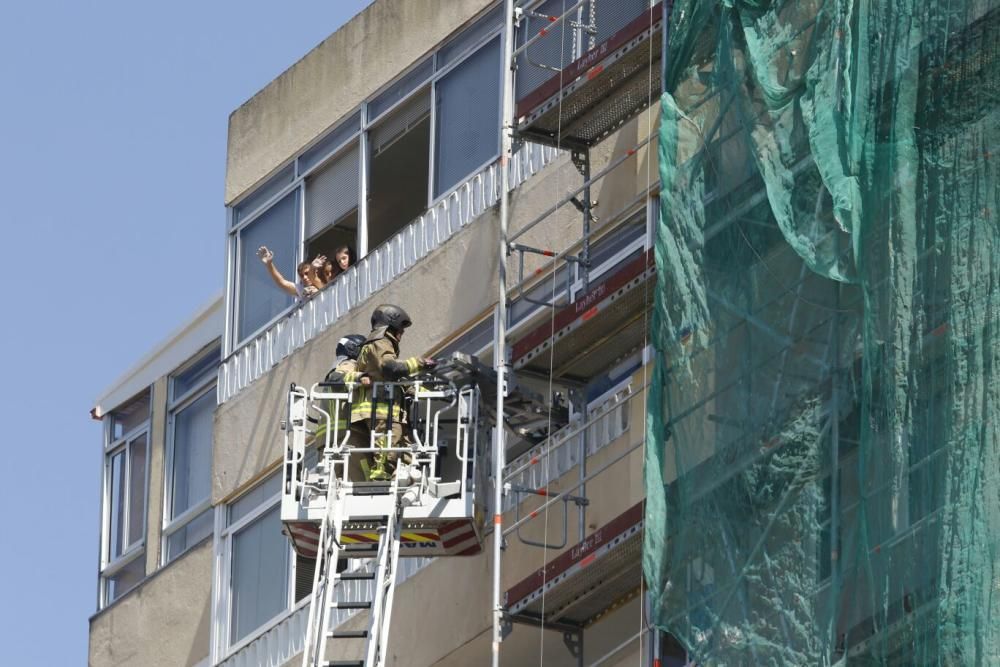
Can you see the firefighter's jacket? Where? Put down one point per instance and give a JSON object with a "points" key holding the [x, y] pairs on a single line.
{"points": [[344, 371], [379, 360]]}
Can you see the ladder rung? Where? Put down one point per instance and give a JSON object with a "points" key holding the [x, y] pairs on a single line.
{"points": [[344, 663], [347, 634], [358, 575], [352, 605], [365, 547]]}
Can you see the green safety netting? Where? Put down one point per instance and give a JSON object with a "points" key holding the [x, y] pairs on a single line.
{"points": [[823, 440]]}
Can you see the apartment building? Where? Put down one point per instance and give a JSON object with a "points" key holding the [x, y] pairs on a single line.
{"points": [[157, 519], [696, 352]]}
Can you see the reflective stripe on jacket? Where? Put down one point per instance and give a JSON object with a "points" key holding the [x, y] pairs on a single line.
{"points": [[379, 360]]}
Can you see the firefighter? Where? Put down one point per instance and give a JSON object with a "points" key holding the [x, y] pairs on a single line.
{"points": [[383, 413], [345, 371]]}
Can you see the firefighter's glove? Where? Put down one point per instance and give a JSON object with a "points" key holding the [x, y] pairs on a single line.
{"points": [[428, 364]]}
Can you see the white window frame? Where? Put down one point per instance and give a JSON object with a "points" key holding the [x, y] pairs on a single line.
{"points": [[110, 566], [175, 405], [222, 649], [232, 341], [233, 263]]}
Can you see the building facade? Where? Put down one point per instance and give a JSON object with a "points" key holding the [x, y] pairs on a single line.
{"points": [[652, 258]]}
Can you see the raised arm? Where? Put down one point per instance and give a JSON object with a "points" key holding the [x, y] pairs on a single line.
{"points": [[267, 257], [394, 369]]}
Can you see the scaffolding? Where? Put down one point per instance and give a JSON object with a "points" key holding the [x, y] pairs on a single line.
{"points": [[779, 309], [817, 205], [599, 79]]}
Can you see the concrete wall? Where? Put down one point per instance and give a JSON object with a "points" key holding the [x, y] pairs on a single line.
{"points": [[331, 80], [164, 622], [157, 456]]}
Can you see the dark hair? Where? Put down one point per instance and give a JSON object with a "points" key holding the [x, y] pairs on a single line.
{"points": [[350, 253], [334, 265], [302, 265]]}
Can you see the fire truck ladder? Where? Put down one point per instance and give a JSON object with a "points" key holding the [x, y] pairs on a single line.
{"points": [[324, 600], [331, 549]]}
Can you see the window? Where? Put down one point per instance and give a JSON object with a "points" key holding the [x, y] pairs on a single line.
{"points": [[372, 174], [467, 126], [259, 566], [547, 56], [124, 498], [187, 501], [259, 589], [332, 204], [259, 301], [400, 162]]}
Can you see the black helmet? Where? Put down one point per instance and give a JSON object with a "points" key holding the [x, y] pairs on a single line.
{"points": [[350, 346], [390, 316]]}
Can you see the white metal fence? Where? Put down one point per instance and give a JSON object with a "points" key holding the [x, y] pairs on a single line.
{"points": [[285, 639], [550, 460], [456, 210]]}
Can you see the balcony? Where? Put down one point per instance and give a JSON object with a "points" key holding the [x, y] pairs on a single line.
{"points": [[456, 210]]}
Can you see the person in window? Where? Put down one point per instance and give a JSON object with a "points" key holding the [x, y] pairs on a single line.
{"points": [[309, 282], [343, 258]]}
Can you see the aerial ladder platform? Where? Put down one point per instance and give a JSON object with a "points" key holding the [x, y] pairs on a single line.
{"points": [[357, 530]]}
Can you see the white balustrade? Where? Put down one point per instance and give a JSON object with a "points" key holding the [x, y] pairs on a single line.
{"points": [[371, 273], [284, 638]]}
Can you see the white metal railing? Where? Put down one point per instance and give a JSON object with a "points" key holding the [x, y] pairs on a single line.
{"points": [[277, 645], [548, 461], [282, 641], [452, 212]]}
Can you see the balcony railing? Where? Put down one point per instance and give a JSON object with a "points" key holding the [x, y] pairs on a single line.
{"points": [[546, 462], [451, 213], [283, 639]]}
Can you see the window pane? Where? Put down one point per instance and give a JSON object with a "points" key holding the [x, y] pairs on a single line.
{"points": [[126, 578], [612, 17], [260, 300], [192, 464], [468, 117], [332, 192], [259, 574], [116, 474], [554, 50], [329, 143], [130, 416], [196, 374], [260, 197], [604, 248], [305, 570], [400, 89], [475, 33], [404, 119], [193, 532], [254, 498], [137, 489], [399, 169]]}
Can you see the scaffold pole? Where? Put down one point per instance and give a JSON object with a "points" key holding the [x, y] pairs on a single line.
{"points": [[500, 354]]}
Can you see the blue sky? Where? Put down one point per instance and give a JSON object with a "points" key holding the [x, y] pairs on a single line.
{"points": [[112, 158]]}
